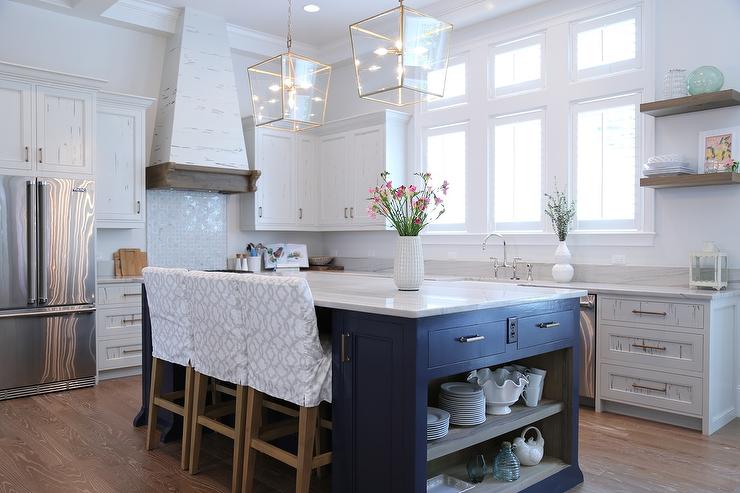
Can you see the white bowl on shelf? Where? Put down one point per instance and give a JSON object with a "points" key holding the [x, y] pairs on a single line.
{"points": [[502, 388]]}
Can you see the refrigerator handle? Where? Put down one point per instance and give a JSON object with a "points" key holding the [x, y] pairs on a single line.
{"points": [[43, 286], [31, 265]]}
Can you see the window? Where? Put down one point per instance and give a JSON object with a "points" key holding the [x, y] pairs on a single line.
{"points": [[606, 159], [455, 89], [517, 171], [607, 44], [445, 158], [518, 65]]}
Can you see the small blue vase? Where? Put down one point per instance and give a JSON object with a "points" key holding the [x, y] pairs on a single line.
{"points": [[705, 79]]}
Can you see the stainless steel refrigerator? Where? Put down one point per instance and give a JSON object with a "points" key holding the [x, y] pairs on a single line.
{"points": [[47, 285]]}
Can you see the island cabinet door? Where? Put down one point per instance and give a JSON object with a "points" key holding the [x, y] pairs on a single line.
{"points": [[378, 431]]}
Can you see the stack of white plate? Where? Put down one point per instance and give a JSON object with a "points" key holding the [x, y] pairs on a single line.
{"points": [[464, 401], [438, 423], [668, 164]]}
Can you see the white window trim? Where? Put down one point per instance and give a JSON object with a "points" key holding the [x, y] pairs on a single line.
{"points": [[609, 68], [610, 101], [477, 46], [533, 114], [521, 87], [443, 103]]}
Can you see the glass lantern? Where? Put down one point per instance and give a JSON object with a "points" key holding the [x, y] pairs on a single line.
{"points": [[708, 270], [289, 92], [400, 56]]}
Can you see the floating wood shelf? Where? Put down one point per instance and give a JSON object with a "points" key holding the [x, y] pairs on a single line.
{"points": [[201, 178], [529, 476], [691, 180], [689, 104], [461, 437]]}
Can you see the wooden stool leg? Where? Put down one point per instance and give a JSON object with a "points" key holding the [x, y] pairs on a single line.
{"points": [[154, 391], [317, 444], [307, 419], [187, 418], [252, 428], [199, 406], [240, 419]]}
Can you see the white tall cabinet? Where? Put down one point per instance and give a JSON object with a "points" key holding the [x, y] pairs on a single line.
{"points": [[16, 125], [318, 180], [120, 160]]}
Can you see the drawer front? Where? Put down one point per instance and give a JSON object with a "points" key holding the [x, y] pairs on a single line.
{"points": [[652, 388], [657, 348], [689, 315], [541, 329], [466, 342], [119, 294], [119, 322], [119, 353]]}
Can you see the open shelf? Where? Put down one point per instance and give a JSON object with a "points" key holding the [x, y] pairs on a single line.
{"points": [[530, 476], [691, 180], [689, 104], [461, 437]]}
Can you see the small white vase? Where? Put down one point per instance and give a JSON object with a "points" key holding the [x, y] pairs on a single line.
{"points": [[408, 264], [562, 271]]}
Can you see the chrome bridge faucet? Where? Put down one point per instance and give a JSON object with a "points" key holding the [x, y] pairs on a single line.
{"points": [[514, 265]]}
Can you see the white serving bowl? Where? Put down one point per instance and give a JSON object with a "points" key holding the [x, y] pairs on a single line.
{"points": [[500, 389]]}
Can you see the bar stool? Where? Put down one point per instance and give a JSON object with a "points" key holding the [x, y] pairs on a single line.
{"points": [[171, 342], [216, 313], [286, 361]]}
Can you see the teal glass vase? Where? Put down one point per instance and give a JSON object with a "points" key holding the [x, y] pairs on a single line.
{"points": [[705, 79], [506, 466]]}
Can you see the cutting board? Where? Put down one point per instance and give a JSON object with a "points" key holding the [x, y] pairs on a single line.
{"points": [[130, 261]]}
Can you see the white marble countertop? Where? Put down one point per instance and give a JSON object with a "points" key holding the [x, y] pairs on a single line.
{"points": [[376, 294], [639, 290], [119, 279]]}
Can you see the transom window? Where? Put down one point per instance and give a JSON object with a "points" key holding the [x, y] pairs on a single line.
{"points": [[607, 44], [518, 65]]}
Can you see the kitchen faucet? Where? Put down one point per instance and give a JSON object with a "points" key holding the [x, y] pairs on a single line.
{"points": [[496, 265]]}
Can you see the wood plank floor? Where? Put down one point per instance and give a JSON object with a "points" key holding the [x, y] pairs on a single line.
{"points": [[83, 441]]}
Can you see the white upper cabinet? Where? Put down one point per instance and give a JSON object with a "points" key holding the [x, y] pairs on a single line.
{"points": [[16, 130], [120, 161], [64, 133], [318, 180]]}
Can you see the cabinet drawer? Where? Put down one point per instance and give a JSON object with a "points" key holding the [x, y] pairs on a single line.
{"points": [[119, 353], [119, 322], [119, 294], [657, 348], [689, 315], [466, 342], [541, 329], [651, 388]]}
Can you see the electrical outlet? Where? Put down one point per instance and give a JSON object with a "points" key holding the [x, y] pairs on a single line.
{"points": [[619, 259], [512, 331]]}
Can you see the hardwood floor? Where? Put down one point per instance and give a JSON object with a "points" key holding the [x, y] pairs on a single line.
{"points": [[83, 440]]}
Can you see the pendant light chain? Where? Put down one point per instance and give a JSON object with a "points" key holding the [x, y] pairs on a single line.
{"points": [[290, 24]]}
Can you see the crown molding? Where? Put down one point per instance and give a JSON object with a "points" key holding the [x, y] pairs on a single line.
{"points": [[128, 100], [253, 42], [24, 72], [143, 13]]}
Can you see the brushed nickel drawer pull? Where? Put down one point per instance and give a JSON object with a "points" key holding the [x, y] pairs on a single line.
{"points": [[644, 312], [352, 212], [345, 213], [125, 295], [548, 325], [474, 338], [127, 351], [664, 390], [132, 321], [41, 155], [28, 157], [646, 346], [300, 213], [344, 357], [138, 206]]}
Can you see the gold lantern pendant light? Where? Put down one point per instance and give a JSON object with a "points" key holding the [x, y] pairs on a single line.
{"points": [[400, 56], [289, 91]]}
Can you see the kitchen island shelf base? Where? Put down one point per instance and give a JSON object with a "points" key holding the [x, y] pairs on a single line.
{"points": [[531, 476], [461, 437]]}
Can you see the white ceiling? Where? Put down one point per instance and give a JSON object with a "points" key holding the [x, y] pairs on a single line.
{"points": [[326, 28]]}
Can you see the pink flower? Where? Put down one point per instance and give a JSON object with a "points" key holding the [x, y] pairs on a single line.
{"points": [[445, 187], [437, 201], [372, 190], [417, 220], [389, 184], [412, 188], [376, 199]]}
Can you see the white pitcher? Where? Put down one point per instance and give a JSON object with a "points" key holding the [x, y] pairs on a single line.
{"points": [[531, 451]]}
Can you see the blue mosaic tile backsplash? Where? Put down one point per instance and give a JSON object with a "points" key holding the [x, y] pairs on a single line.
{"points": [[186, 229]]}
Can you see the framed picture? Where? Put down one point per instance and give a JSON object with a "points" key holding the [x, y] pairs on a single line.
{"points": [[285, 255], [718, 149]]}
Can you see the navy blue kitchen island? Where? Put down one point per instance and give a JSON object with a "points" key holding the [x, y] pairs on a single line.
{"points": [[391, 352]]}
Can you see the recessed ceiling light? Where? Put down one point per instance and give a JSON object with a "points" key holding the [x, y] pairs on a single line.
{"points": [[311, 8]]}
